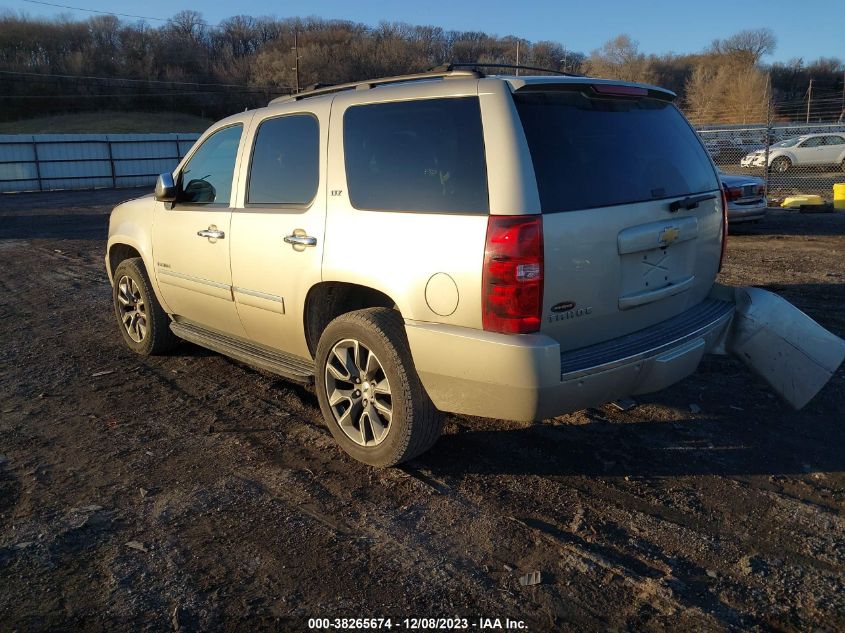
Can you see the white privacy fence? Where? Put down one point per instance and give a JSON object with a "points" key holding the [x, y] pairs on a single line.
{"points": [[43, 162]]}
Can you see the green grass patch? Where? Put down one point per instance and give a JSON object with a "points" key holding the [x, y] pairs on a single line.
{"points": [[107, 122]]}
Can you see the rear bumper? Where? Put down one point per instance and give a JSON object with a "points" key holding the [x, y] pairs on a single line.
{"points": [[525, 377], [746, 212]]}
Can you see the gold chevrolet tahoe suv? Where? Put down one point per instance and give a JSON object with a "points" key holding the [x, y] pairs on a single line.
{"points": [[503, 246]]}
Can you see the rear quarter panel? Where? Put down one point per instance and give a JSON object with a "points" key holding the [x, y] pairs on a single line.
{"points": [[426, 261]]}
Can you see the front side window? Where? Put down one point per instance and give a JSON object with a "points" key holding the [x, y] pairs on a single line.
{"points": [[816, 141], [425, 155], [285, 161], [207, 178]]}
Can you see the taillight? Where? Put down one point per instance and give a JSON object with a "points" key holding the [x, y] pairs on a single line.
{"points": [[724, 228], [512, 281], [733, 193]]}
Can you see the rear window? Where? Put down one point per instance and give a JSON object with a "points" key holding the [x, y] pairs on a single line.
{"points": [[416, 156], [591, 153], [285, 161]]}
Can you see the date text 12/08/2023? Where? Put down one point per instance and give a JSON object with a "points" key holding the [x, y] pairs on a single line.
{"points": [[417, 624]]}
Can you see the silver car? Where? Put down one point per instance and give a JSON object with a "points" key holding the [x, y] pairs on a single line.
{"points": [[746, 196]]}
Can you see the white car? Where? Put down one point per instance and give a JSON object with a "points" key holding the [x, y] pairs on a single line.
{"points": [[807, 150]]}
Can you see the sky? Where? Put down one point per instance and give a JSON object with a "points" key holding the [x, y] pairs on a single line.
{"points": [[804, 28]]}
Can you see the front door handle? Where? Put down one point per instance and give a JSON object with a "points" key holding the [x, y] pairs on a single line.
{"points": [[212, 233], [299, 238]]}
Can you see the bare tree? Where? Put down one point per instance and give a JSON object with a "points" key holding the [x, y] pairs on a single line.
{"points": [[751, 44], [727, 89], [620, 58], [188, 24]]}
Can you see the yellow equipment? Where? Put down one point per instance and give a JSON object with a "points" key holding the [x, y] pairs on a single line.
{"points": [[794, 202]]}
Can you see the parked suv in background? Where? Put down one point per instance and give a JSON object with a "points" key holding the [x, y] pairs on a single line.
{"points": [[510, 247]]}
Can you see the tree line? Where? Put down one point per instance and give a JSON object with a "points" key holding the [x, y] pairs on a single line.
{"points": [[189, 65]]}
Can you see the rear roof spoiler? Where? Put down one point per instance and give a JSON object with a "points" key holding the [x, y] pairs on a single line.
{"points": [[597, 87]]}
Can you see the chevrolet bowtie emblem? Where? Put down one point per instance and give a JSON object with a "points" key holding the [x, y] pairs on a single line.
{"points": [[669, 235]]}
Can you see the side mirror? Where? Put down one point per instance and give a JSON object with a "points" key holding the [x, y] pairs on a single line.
{"points": [[166, 188]]}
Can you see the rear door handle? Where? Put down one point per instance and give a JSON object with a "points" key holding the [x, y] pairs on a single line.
{"points": [[300, 240], [213, 234]]}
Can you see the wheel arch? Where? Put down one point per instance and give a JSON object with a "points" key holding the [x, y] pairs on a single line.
{"points": [[122, 247], [119, 251], [327, 300]]}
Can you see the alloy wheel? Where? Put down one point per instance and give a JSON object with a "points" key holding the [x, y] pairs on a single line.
{"points": [[358, 392], [132, 308]]}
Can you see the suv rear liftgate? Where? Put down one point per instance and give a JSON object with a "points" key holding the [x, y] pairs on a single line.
{"points": [[582, 136]]}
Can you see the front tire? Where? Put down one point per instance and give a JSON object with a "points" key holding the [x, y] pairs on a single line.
{"points": [[781, 164], [369, 392], [143, 323]]}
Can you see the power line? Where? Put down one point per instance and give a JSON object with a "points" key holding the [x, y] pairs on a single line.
{"points": [[116, 14], [131, 95], [133, 80], [121, 15]]}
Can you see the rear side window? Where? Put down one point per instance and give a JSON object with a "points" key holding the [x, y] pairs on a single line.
{"points": [[590, 153], [285, 161], [416, 156]]}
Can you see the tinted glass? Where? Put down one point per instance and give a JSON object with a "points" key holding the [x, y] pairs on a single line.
{"points": [[835, 140], [416, 156], [601, 152], [816, 141], [285, 161], [207, 178]]}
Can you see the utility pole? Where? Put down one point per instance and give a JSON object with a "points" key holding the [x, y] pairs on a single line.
{"points": [[295, 68], [517, 58], [769, 119], [842, 111], [809, 98]]}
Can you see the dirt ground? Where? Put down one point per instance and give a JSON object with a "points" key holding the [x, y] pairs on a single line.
{"points": [[190, 492]]}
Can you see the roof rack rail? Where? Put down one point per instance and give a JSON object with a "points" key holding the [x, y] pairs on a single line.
{"points": [[477, 65], [458, 69], [322, 89]]}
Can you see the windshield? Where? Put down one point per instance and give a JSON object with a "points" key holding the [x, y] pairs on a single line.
{"points": [[590, 153]]}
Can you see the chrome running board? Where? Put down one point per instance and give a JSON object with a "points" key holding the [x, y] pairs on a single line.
{"points": [[274, 361]]}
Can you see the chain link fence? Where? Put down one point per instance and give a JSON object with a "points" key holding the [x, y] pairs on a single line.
{"points": [[798, 163]]}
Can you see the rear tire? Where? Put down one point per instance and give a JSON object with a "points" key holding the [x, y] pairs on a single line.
{"points": [[369, 392], [143, 324]]}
